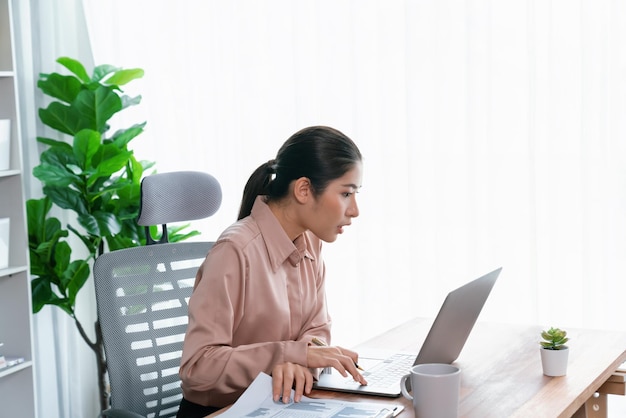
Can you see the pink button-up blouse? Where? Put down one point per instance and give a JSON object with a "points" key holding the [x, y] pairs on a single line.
{"points": [[257, 302]]}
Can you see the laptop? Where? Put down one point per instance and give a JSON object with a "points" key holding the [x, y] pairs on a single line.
{"points": [[443, 344]]}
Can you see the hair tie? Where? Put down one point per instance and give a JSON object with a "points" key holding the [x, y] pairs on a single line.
{"points": [[270, 170], [271, 167]]}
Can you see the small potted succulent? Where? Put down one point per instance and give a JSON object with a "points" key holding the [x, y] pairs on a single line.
{"points": [[554, 352]]}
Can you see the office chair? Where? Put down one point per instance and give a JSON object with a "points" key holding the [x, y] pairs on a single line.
{"points": [[142, 295]]}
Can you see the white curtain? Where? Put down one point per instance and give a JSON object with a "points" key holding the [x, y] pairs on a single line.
{"points": [[492, 131], [493, 135], [65, 367]]}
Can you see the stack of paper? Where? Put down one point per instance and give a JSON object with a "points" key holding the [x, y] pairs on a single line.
{"points": [[257, 401]]}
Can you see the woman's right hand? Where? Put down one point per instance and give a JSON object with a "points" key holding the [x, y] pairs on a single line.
{"points": [[287, 376], [341, 359]]}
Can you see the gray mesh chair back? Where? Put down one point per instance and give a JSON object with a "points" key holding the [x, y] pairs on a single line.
{"points": [[142, 296], [175, 197]]}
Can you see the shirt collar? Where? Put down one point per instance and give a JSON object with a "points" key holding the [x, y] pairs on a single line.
{"points": [[279, 247]]}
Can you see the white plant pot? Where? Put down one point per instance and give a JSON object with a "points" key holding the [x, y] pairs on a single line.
{"points": [[5, 144], [554, 362]]}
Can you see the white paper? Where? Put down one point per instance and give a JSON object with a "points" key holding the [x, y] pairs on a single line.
{"points": [[257, 401]]}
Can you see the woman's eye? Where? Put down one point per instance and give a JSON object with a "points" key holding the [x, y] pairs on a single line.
{"points": [[347, 194]]}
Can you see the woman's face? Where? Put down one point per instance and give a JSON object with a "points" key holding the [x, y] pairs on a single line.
{"points": [[334, 209]]}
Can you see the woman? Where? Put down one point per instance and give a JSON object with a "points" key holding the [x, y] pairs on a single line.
{"points": [[259, 297]]}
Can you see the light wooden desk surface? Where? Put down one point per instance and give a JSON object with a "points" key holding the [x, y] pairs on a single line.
{"points": [[501, 370]]}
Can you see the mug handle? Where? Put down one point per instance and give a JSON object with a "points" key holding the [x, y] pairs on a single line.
{"points": [[405, 392]]}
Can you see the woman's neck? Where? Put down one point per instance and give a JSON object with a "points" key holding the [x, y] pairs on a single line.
{"points": [[288, 218]]}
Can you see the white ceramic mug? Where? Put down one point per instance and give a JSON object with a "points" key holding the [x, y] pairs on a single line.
{"points": [[436, 388]]}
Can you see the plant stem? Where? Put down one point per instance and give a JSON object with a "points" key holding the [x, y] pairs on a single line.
{"points": [[98, 349]]}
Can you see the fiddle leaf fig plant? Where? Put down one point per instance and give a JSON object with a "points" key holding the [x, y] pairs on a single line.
{"points": [[554, 339], [92, 174]]}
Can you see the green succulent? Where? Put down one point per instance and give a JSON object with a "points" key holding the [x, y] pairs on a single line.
{"points": [[554, 339]]}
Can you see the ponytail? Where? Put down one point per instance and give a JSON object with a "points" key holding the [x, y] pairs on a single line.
{"points": [[257, 185]]}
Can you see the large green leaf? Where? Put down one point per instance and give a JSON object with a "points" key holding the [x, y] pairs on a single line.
{"points": [[101, 71], [121, 77], [91, 242], [67, 198], [36, 210], [53, 175], [75, 67], [96, 107], [119, 242], [53, 231], [76, 275], [147, 164], [45, 252], [62, 145], [40, 255], [122, 137], [59, 156], [86, 144], [130, 101], [135, 171], [62, 87], [42, 293], [62, 254], [63, 118], [109, 160], [129, 195], [100, 224]]}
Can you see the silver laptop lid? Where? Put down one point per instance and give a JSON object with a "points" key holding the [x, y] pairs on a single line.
{"points": [[455, 320]]}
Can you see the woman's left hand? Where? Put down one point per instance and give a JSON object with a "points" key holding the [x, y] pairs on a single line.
{"points": [[286, 376]]}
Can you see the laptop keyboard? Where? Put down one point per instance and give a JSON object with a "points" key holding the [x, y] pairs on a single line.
{"points": [[389, 372]]}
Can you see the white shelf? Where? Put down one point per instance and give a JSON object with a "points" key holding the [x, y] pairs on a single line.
{"points": [[12, 270], [9, 173], [17, 383], [14, 369]]}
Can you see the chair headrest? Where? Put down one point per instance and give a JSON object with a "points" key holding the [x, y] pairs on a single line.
{"points": [[178, 196]]}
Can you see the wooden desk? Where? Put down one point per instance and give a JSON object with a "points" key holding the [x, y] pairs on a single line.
{"points": [[501, 370]]}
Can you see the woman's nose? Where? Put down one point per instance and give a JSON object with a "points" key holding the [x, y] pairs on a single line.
{"points": [[353, 209]]}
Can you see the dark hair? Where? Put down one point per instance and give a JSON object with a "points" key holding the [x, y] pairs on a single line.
{"points": [[318, 153]]}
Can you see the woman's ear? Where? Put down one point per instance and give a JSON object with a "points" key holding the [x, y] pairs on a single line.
{"points": [[302, 190]]}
